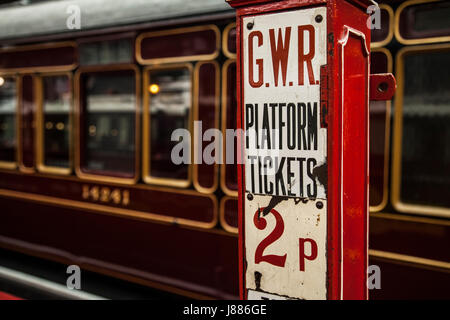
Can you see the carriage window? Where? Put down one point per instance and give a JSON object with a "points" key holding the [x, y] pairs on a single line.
{"points": [[106, 52], [8, 101], [56, 102], [169, 108], [183, 44], [422, 21], [425, 148], [380, 37], [229, 41], [229, 105], [109, 123]]}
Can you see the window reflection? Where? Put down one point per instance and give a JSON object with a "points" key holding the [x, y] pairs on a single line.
{"points": [[425, 175], [8, 101], [56, 109], [170, 107], [109, 123]]}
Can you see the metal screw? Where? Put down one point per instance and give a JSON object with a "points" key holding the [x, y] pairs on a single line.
{"points": [[250, 25], [319, 204], [319, 18], [250, 197]]}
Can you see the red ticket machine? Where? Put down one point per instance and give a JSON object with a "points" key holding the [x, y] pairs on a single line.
{"points": [[303, 85]]}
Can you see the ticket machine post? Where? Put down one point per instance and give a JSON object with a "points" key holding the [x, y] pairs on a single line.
{"points": [[303, 90]]}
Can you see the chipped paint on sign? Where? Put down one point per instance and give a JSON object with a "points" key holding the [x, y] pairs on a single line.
{"points": [[286, 249]]}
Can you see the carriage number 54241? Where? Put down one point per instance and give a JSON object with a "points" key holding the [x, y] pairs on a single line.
{"points": [[106, 195]]}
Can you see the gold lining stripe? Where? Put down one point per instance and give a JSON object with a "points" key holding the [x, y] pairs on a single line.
{"points": [[146, 148], [144, 187], [195, 181], [409, 259], [98, 177], [226, 33], [387, 139], [112, 184], [397, 138], [416, 219], [419, 40], [391, 28], [114, 211], [223, 182], [210, 56], [8, 165]]}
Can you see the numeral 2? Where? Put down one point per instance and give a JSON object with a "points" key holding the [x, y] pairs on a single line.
{"points": [[261, 224]]}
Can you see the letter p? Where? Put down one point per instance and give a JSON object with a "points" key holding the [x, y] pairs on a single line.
{"points": [[303, 255]]}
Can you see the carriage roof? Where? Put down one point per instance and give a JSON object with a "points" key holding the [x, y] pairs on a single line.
{"points": [[50, 18]]}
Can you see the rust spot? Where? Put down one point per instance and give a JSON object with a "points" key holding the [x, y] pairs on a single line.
{"points": [[321, 173], [318, 220], [258, 277]]}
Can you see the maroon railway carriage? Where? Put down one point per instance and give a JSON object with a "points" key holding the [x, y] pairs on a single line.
{"points": [[86, 118]]}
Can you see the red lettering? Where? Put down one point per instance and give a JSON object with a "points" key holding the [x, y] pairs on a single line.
{"points": [[280, 53], [303, 255], [306, 58], [259, 62], [276, 233]]}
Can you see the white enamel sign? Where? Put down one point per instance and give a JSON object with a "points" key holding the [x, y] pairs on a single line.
{"points": [[285, 154]]}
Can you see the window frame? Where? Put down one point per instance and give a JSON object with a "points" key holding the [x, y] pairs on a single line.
{"points": [[41, 68], [223, 222], [146, 140], [20, 147], [387, 139], [225, 36], [223, 176], [390, 35], [196, 106], [397, 32], [40, 143], [398, 204], [90, 176], [12, 165], [175, 59]]}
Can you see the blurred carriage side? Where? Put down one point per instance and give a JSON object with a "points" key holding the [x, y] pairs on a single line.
{"points": [[86, 118]]}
